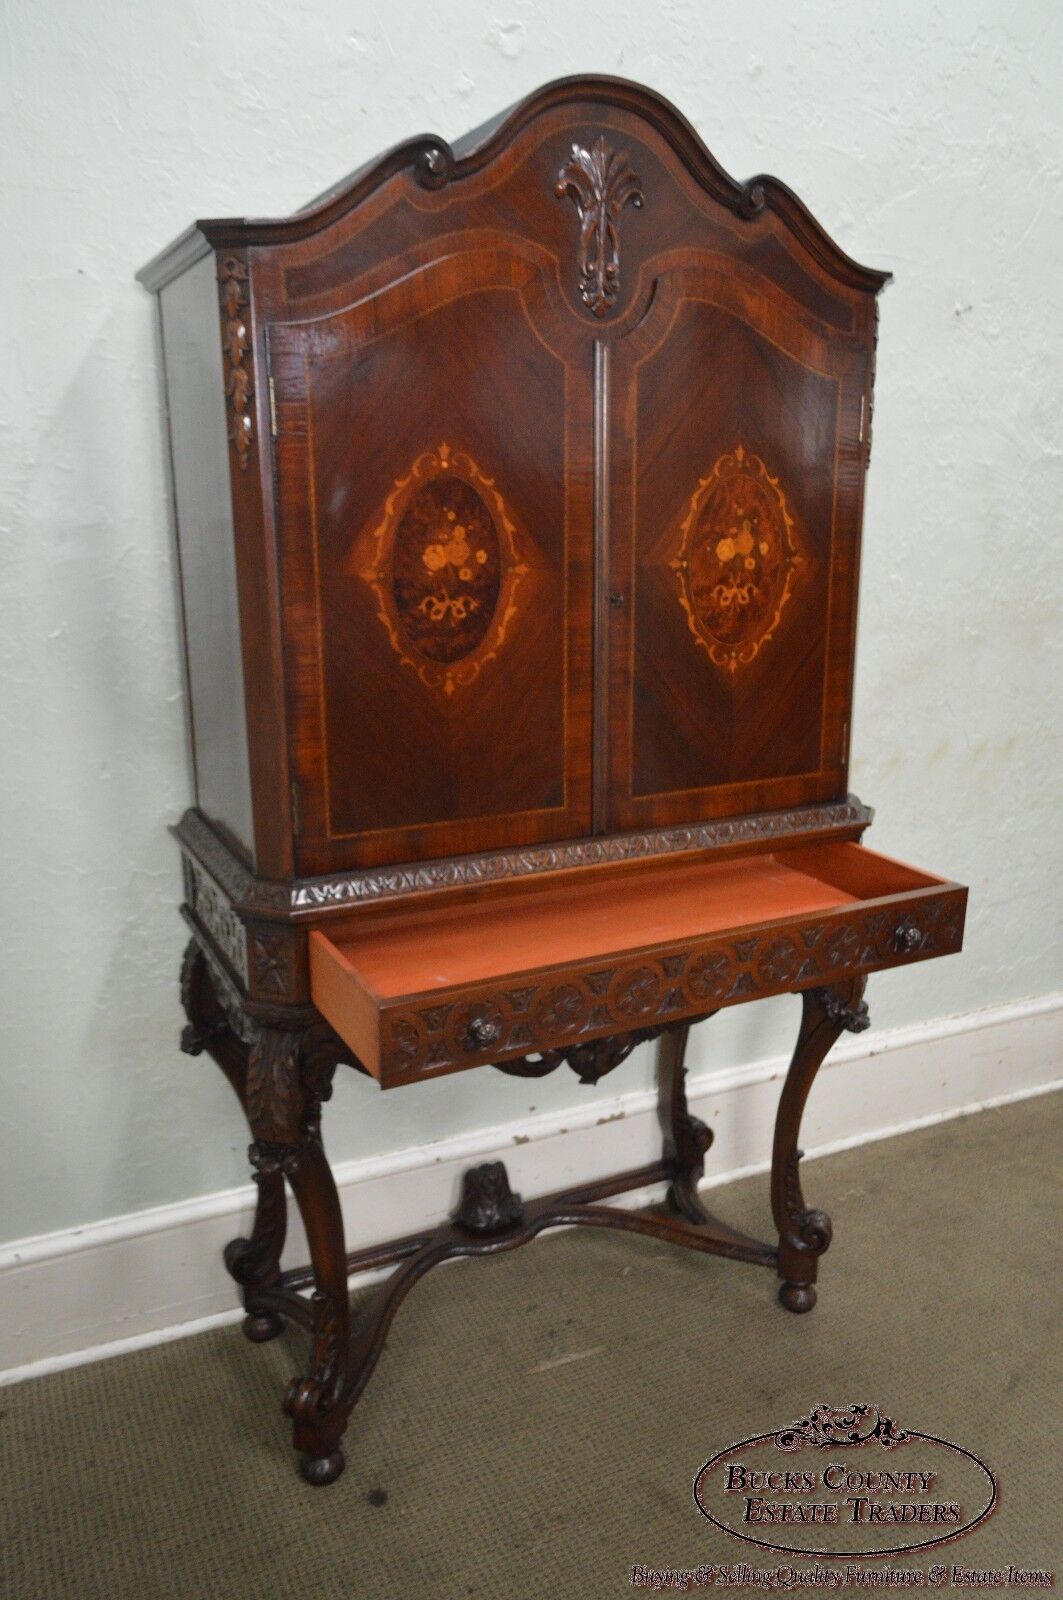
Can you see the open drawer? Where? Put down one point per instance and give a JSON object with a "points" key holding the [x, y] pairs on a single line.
{"points": [[457, 983]]}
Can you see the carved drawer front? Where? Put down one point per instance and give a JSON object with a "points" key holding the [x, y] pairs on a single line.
{"points": [[464, 983]]}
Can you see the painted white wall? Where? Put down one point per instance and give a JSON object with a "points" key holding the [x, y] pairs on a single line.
{"points": [[927, 139]]}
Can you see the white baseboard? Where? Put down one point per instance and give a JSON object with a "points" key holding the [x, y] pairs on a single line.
{"points": [[94, 1291]]}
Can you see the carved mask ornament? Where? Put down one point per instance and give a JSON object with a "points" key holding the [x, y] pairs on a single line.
{"points": [[445, 569], [737, 560]]}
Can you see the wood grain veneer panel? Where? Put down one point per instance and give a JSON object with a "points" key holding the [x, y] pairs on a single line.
{"points": [[735, 535], [436, 563]]}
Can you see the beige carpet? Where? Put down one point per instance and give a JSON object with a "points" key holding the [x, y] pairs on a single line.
{"points": [[536, 1422]]}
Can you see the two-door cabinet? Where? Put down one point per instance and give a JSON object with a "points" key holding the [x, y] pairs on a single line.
{"points": [[518, 493]]}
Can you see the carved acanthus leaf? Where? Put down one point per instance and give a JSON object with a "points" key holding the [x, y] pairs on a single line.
{"points": [[274, 1097]]}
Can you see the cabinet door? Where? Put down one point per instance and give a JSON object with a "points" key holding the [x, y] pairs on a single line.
{"points": [[737, 484], [434, 526]]}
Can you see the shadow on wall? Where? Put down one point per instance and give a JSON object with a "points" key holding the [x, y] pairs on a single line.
{"points": [[104, 771]]}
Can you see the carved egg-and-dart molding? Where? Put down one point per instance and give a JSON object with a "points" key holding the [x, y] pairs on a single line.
{"points": [[445, 569], [738, 559], [602, 182]]}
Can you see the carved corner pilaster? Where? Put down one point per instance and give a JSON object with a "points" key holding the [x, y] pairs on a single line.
{"points": [[236, 354]]}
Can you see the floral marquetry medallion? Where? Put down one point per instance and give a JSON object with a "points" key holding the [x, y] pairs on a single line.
{"points": [[738, 559], [445, 568]]}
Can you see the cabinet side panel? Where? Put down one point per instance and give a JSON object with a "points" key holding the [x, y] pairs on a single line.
{"points": [[191, 345]]}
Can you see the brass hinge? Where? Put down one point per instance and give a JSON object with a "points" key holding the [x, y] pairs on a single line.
{"points": [[272, 409], [863, 409]]}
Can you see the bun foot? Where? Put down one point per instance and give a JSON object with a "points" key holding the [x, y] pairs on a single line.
{"points": [[797, 1297], [262, 1325], [320, 1470]]}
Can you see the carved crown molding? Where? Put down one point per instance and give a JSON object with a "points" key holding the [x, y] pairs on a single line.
{"points": [[259, 897], [435, 164]]}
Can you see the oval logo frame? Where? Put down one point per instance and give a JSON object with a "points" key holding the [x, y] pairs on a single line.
{"points": [[844, 1427]]}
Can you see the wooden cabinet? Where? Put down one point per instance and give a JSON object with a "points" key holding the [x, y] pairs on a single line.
{"points": [[518, 489], [569, 440]]}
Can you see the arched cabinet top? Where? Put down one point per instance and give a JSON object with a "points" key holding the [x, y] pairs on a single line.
{"points": [[432, 165]]}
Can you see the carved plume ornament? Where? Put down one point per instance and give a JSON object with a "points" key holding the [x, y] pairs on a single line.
{"points": [[601, 182]]}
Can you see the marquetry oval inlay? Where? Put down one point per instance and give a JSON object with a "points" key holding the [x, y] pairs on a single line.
{"points": [[738, 559], [445, 568]]}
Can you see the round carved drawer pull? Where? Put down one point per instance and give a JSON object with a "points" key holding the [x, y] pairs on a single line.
{"points": [[484, 1031], [908, 937]]}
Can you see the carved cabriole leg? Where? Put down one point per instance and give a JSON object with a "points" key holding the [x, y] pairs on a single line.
{"points": [[281, 1072], [254, 1262], [805, 1234], [317, 1404], [285, 1085], [686, 1139]]}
